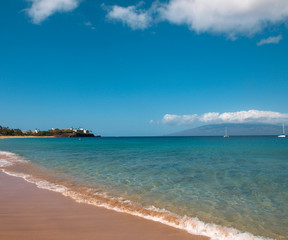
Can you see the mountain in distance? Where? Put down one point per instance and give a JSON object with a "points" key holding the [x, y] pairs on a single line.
{"points": [[233, 129]]}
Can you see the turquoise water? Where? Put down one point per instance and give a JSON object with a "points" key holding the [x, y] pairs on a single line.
{"points": [[240, 183]]}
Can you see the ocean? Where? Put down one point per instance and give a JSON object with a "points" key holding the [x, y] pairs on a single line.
{"points": [[223, 188]]}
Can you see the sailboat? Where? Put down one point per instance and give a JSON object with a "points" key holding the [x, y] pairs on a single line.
{"points": [[226, 135], [283, 135]]}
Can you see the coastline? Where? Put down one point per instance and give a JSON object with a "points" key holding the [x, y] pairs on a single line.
{"points": [[20, 167], [27, 212], [7, 137]]}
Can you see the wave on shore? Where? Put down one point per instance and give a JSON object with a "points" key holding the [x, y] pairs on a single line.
{"points": [[9, 161]]}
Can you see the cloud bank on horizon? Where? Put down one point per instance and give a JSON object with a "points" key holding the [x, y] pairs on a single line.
{"points": [[229, 17], [226, 117]]}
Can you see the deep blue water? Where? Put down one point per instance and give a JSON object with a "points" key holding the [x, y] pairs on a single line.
{"points": [[239, 182]]}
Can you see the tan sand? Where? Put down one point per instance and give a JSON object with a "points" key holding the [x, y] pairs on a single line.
{"points": [[30, 213], [5, 137]]}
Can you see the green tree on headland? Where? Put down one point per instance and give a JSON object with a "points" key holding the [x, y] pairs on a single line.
{"points": [[6, 131]]}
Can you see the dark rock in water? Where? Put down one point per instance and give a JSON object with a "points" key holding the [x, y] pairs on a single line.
{"points": [[74, 134], [84, 135], [252, 129]]}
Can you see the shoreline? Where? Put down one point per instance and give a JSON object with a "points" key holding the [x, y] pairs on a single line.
{"points": [[16, 166], [7, 137], [28, 212]]}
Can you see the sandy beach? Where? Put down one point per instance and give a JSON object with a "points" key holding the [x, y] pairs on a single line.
{"points": [[6, 137], [30, 213]]}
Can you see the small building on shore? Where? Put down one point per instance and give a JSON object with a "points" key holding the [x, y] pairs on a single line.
{"points": [[82, 130]]}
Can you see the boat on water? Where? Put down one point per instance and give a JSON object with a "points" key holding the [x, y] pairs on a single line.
{"points": [[283, 135], [226, 134]]}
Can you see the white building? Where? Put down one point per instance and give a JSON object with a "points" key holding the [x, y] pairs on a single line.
{"points": [[81, 130]]}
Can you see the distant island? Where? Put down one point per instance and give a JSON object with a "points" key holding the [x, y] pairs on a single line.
{"points": [[54, 132], [233, 129]]}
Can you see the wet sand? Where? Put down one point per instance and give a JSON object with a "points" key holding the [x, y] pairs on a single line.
{"points": [[30, 213]]}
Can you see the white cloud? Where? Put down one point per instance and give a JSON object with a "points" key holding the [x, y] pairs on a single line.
{"points": [[42, 9], [270, 40], [225, 16], [231, 17], [179, 119], [88, 24], [131, 16], [226, 117]]}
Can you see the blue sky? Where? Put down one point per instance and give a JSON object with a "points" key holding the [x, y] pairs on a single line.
{"points": [[113, 69]]}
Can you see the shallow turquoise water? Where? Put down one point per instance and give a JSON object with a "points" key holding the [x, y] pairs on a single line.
{"points": [[240, 182]]}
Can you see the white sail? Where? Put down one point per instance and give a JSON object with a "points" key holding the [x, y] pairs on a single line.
{"points": [[226, 134], [283, 135]]}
